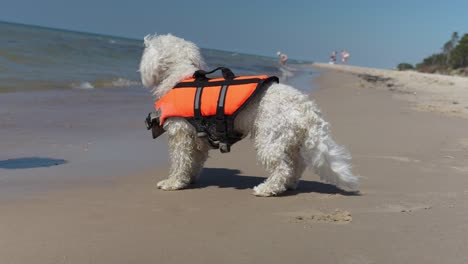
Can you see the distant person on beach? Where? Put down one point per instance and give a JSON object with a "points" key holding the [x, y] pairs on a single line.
{"points": [[285, 70], [283, 58], [344, 56], [333, 57]]}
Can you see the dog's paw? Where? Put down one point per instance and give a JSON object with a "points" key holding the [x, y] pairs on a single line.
{"points": [[266, 190], [171, 185]]}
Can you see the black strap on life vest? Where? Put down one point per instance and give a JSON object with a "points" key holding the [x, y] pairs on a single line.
{"points": [[221, 124], [201, 74], [200, 80], [219, 129], [197, 102]]}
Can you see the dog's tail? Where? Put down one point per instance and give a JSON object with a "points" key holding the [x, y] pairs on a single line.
{"points": [[328, 159]]}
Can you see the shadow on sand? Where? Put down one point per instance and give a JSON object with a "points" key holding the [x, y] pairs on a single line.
{"points": [[231, 178], [30, 162]]}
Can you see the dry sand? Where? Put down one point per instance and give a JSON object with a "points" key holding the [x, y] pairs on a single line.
{"points": [[438, 93], [413, 206]]}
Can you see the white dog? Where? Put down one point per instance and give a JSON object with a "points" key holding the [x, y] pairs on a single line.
{"points": [[287, 128]]}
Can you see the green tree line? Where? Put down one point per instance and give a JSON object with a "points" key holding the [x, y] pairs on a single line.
{"points": [[453, 59]]}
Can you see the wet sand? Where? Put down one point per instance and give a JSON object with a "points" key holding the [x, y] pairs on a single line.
{"points": [[61, 138], [412, 207]]}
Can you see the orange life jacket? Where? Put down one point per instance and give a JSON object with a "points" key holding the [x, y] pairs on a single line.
{"points": [[211, 105], [188, 97]]}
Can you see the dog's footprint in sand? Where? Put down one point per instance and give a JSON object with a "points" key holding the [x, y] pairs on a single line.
{"points": [[336, 217]]}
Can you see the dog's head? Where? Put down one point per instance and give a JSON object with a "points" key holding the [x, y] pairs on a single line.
{"points": [[166, 60]]}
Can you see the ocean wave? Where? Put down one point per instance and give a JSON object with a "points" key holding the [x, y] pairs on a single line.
{"points": [[119, 82], [82, 85], [116, 83]]}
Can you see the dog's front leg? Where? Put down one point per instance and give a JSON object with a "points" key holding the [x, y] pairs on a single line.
{"points": [[187, 155]]}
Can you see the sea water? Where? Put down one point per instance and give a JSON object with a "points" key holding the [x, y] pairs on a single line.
{"points": [[37, 58]]}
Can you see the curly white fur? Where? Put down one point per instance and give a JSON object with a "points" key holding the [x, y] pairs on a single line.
{"points": [[287, 127]]}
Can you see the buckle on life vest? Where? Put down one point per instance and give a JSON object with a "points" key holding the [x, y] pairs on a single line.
{"points": [[224, 147], [152, 122]]}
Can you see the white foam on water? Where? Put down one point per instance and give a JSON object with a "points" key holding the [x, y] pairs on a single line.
{"points": [[82, 85], [121, 82]]}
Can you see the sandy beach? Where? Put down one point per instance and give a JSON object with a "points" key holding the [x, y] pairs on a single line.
{"points": [[407, 133], [437, 93]]}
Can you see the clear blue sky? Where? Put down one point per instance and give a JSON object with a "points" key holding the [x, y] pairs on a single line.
{"points": [[377, 33]]}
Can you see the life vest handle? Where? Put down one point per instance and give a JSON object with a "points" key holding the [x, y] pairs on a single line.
{"points": [[201, 74]]}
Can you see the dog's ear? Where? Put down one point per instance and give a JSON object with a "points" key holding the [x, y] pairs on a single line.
{"points": [[149, 65], [165, 54], [180, 52]]}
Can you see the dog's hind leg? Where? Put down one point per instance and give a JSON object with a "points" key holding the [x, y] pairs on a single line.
{"points": [[298, 166], [278, 153], [187, 155], [284, 175], [281, 177]]}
